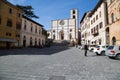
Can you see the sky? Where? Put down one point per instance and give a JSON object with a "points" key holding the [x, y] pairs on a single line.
{"points": [[48, 10]]}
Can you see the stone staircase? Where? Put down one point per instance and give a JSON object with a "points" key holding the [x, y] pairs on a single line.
{"points": [[60, 43]]}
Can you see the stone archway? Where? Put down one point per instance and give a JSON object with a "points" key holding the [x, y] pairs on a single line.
{"points": [[35, 41], [113, 40], [24, 41], [62, 35], [30, 41]]}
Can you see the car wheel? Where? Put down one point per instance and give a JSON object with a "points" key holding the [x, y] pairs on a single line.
{"points": [[97, 53], [118, 56], [103, 53], [111, 57]]}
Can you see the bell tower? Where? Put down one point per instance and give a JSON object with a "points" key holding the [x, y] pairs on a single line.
{"points": [[74, 15]]}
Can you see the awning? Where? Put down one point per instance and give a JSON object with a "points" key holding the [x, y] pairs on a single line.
{"points": [[7, 40]]}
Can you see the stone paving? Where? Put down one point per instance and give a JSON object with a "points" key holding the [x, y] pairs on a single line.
{"points": [[56, 63]]}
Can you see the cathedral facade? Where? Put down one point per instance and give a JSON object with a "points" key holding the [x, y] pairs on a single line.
{"points": [[66, 29]]}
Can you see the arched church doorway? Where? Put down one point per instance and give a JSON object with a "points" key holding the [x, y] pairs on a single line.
{"points": [[62, 35], [70, 36]]}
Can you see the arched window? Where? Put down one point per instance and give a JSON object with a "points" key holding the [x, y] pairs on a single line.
{"points": [[112, 17], [113, 41]]}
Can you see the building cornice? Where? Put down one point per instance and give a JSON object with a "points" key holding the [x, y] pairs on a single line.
{"points": [[32, 21]]}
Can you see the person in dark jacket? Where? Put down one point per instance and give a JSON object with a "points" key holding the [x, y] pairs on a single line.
{"points": [[86, 48]]}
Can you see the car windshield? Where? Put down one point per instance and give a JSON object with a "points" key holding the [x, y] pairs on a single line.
{"points": [[97, 46], [110, 47]]}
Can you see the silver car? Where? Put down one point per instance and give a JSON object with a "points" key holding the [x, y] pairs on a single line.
{"points": [[113, 52]]}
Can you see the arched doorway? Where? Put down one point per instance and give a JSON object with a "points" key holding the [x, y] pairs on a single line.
{"points": [[62, 35], [70, 36], [30, 41], [39, 42], [113, 41], [35, 41], [24, 41], [53, 37]]}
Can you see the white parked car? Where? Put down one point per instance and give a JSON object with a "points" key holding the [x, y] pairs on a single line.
{"points": [[100, 50], [91, 47], [113, 52]]}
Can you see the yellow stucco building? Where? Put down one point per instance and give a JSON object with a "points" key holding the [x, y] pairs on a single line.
{"points": [[10, 25], [114, 21]]}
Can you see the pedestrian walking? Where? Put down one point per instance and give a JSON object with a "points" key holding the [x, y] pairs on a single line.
{"points": [[86, 48]]}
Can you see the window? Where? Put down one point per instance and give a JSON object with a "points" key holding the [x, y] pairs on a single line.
{"points": [[96, 17], [94, 29], [112, 17], [73, 11], [10, 10], [100, 14], [91, 22], [25, 25], [17, 35], [97, 27], [18, 26], [73, 16], [94, 20], [101, 25], [36, 29], [110, 1], [39, 31], [9, 23], [8, 34], [19, 15], [99, 41], [31, 29], [53, 30], [91, 30], [70, 30]]}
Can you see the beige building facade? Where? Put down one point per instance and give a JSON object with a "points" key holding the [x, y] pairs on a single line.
{"points": [[85, 28], [31, 33], [114, 21], [98, 22]]}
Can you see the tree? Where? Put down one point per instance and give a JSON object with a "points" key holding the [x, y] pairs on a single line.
{"points": [[27, 11], [44, 32]]}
